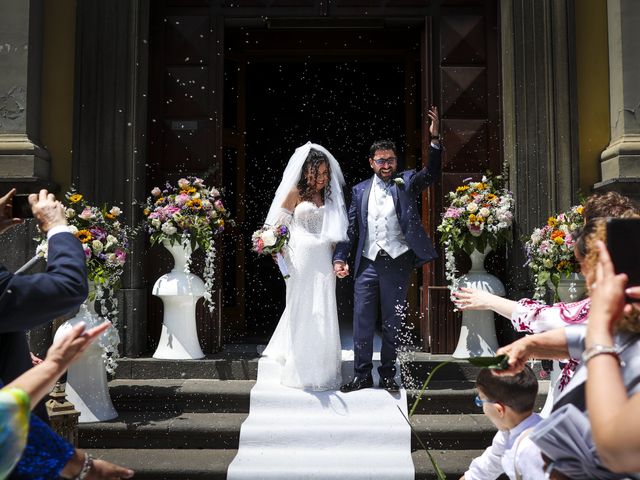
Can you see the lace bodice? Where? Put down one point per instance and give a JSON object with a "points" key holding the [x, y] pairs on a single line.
{"points": [[309, 217]]}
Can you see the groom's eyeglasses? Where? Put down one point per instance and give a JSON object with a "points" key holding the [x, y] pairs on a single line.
{"points": [[385, 161]]}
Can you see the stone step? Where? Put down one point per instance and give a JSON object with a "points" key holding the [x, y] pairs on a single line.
{"points": [[243, 365], [155, 430], [192, 395], [192, 464]]}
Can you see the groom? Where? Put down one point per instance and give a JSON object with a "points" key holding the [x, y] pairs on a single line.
{"points": [[385, 226]]}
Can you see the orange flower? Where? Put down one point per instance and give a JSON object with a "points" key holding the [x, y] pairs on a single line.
{"points": [[84, 236], [109, 216], [558, 236], [146, 212]]}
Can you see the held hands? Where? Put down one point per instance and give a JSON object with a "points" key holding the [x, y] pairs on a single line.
{"points": [[341, 269], [47, 210], [6, 212]]}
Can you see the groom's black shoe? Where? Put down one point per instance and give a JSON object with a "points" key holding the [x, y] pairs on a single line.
{"points": [[358, 383], [389, 384]]}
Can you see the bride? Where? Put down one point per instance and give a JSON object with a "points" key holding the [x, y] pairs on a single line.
{"points": [[309, 201]]}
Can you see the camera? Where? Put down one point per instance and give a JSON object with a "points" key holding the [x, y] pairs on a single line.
{"points": [[623, 236], [21, 207]]}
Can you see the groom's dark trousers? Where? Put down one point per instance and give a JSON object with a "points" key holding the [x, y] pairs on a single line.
{"points": [[380, 284]]}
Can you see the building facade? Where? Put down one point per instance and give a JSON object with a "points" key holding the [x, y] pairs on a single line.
{"points": [[116, 97]]}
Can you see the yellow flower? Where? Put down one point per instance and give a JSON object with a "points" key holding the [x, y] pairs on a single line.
{"points": [[188, 191], [472, 218], [464, 188], [109, 216], [580, 209], [552, 222], [84, 236], [196, 204], [159, 201], [75, 198], [146, 212]]}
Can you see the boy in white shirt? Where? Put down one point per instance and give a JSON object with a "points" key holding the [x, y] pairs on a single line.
{"points": [[508, 402]]}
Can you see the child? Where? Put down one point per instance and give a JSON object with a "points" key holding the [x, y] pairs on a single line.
{"points": [[508, 402]]}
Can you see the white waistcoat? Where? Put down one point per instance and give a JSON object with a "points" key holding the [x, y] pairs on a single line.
{"points": [[383, 228]]}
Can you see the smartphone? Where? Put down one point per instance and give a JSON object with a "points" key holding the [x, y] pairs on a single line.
{"points": [[623, 243], [21, 207]]}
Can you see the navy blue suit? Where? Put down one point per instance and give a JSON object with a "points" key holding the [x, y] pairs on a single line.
{"points": [[28, 301], [381, 284]]}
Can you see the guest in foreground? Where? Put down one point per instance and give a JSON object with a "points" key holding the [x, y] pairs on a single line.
{"points": [[508, 402], [24, 393], [29, 301]]}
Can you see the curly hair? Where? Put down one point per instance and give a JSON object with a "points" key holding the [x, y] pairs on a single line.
{"points": [[610, 204], [382, 145], [312, 164], [598, 231]]}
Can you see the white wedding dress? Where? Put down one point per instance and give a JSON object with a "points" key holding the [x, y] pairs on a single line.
{"points": [[306, 341]]}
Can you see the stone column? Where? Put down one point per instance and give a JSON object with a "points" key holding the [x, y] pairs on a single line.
{"points": [[621, 159], [539, 112], [110, 125], [23, 163]]}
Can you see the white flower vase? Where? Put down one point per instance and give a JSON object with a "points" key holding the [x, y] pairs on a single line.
{"points": [[570, 289], [478, 330], [179, 292], [87, 385]]}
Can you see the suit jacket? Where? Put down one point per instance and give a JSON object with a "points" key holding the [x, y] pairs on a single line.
{"points": [[405, 201], [28, 301]]}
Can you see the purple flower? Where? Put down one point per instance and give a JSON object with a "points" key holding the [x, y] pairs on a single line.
{"points": [[98, 233]]}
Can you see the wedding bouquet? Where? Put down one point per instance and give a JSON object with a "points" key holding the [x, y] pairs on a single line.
{"points": [[105, 241], [270, 240], [479, 214], [550, 249], [190, 214]]}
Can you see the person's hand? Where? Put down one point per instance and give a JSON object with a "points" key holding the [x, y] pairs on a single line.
{"points": [[341, 269], [6, 212], [103, 470], [633, 293], [607, 298], [35, 360], [47, 210], [64, 351], [472, 299], [518, 354], [434, 128]]}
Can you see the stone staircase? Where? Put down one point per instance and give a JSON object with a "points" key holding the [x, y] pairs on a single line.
{"points": [[181, 419]]}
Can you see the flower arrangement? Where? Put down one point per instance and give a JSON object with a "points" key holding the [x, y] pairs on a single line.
{"points": [[550, 249], [105, 241], [479, 214], [190, 214], [270, 240]]}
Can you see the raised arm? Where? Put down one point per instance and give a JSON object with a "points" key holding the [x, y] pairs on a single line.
{"points": [[430, 172], [614, 415]]}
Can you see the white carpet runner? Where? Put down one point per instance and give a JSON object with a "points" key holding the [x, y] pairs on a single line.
{"points": [[297, 434]]}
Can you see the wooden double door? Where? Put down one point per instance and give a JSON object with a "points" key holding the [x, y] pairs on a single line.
{"points": [[235, 90]]}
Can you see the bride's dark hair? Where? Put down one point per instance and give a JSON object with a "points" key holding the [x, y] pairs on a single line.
{"points": [[313, 162]]}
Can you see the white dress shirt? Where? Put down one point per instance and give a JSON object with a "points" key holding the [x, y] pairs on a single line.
{"points": [[507, 450], [383, 228]]}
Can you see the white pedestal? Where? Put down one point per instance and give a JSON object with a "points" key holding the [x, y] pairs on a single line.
{"points": [[478, 329], [87, 385], [179, 292]]}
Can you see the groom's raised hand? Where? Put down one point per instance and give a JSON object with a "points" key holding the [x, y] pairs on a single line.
{"points": [[341, 269]]}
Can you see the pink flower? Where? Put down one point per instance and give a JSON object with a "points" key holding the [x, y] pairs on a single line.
{"points": [[218, 204], [452, 212], [182, 199], [86, 214], [121, 256], [87, 251]]}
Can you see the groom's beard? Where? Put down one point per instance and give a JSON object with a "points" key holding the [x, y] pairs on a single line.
{"points": [[386, 179]]}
